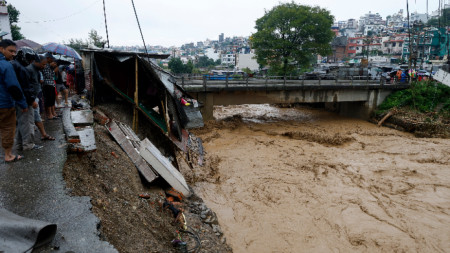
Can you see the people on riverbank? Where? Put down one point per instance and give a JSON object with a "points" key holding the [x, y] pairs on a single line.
{"points": [[10, 95], [49, 86], [24, 139], [34, 69]]}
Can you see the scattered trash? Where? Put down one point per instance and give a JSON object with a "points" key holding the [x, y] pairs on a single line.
{"points": [[114, 154], [144, 196]]}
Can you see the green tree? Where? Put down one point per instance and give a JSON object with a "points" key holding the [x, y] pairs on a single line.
{"points": [[289, 35], [13, 20], [176, 66], [76, 44], [204, 62], [188, 67], [95, 39]]}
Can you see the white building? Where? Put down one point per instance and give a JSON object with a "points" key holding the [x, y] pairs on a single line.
{"points": [[247, 61], [228, 59], [416, 17], [4, 22], [212, 53]]}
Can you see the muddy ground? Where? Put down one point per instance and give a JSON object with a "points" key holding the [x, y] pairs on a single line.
{"points": [[306, 180], [131, 223]]}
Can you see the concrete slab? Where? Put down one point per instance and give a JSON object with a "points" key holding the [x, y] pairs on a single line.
{"points": [[126, 143], [69, 128], [163, 166], [87, 138], [82, 118]]}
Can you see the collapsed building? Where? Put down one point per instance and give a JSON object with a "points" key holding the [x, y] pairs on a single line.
{"points": [[134, 81]]}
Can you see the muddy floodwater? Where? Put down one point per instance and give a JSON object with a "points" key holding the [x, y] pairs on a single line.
{"points": [[306, 180]]}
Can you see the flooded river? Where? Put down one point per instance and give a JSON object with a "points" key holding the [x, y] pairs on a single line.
{"points": [[306, 180]]}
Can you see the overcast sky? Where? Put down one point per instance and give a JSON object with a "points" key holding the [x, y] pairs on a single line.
{"points": [[174, 22]]}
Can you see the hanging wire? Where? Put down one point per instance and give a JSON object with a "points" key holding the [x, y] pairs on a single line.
{"points": [[140, 30], [65, 17], [106, 23]]}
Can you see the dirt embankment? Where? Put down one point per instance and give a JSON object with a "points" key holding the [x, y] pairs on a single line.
{"points": [[427, 125], [317, 182], [129, 222]]}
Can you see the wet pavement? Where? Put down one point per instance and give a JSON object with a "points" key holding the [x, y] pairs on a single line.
{"points": [[34, 187]]}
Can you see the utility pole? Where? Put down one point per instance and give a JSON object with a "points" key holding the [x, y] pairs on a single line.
{"points": [[409, 35]]}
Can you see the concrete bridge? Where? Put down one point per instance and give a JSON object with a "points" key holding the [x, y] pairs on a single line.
{"points": [[351, 97]]}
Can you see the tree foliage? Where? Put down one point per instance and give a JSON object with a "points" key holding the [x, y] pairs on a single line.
{"points": [[289, 35], [205, 62], [13, 20], [177, 66], [93, 38], [421, 96]]}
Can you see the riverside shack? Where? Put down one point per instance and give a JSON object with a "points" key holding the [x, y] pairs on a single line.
{"points": [[147, 88]]}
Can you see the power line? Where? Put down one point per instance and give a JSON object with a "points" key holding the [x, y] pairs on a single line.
{"points": [[106, 23], [139, 25], [65, 17]]}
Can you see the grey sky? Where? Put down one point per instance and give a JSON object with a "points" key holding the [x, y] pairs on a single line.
{"points": [[174, 22]]}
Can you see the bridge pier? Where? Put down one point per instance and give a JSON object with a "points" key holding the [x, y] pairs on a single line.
{"points": [[363, 109], [208, 105]]}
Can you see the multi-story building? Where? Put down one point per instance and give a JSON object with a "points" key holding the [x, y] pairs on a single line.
{"points": [[430, 44], [228, 59], [371, 19], [393, 44]]}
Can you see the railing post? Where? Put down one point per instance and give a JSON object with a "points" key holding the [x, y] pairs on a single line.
{"points": [[319, 80], [204, 82], [303, 80], [284, 81], [267, 80], [182, 81], [336, 79], [247, 80], [226, 80], [351, 78]]}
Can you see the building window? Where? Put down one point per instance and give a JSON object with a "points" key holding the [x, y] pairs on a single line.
{"points": [[394, 44], [399, 44]]}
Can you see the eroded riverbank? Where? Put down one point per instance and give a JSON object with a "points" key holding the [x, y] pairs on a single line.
{"points": [[302, 180]]}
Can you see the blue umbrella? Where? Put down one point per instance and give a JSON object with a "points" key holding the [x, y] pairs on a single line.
{"points": [[61, 49]]}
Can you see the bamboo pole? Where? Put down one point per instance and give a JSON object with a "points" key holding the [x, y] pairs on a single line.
{"points": [[136, 100]]}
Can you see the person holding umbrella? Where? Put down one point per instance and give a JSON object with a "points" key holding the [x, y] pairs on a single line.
{"points": [[48, 87]]}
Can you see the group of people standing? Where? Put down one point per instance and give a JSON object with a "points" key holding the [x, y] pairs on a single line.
{"points": [[26, 80]]}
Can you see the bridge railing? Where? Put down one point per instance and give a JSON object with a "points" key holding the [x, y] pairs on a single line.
{"points": [[205, 80]]}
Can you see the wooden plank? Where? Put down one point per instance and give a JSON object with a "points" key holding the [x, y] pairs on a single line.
{"points": [[87, 139], [69, 129], [132, 153], [82, 118], [163, 166]]}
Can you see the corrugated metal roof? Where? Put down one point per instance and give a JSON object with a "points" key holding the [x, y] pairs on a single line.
{"points": [[125, 54]]}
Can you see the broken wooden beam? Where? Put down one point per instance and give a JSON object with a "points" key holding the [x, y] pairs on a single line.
{"points": [[133, 154], [164, 167], [389, 114]]}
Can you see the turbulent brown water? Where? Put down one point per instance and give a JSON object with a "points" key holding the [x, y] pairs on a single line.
{"points": [[304, 180]]}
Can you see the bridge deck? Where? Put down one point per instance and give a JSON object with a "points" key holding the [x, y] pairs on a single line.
{"points": [[277, 85]]}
